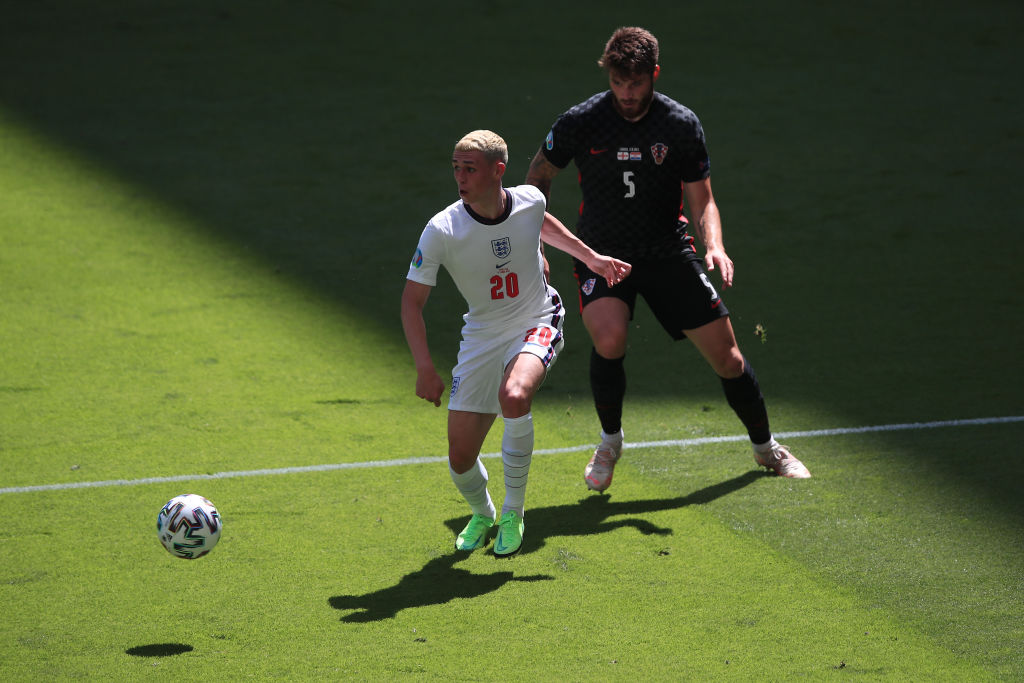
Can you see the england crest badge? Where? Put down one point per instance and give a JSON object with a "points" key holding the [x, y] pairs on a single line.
{"points": [[501, 247]]}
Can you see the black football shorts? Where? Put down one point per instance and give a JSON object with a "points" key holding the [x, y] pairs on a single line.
{"points": [[677, 289]]}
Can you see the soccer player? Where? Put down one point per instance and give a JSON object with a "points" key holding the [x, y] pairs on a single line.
{"points": [[489, 241], [639, 153]]}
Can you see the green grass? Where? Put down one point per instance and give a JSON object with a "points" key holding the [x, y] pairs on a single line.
{"points": [[644, 584], [206, 215]]}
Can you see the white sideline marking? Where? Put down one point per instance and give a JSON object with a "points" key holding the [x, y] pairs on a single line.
{"points": [[548, 451]]}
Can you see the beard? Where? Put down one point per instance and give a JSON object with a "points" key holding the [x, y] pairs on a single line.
{"points": [[635, 108]]}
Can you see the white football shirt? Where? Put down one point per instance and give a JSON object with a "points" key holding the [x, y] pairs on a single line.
{"points": [[496, 264]]}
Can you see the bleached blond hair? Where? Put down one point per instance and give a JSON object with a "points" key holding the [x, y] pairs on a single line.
{"points": [[485, 141]]}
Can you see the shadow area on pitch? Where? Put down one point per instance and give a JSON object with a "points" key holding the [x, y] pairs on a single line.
{"points": [[159, 650], [439, 581], [599, 513]]}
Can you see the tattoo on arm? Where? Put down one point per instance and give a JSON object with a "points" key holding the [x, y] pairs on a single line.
{"points": [[541, 173]]}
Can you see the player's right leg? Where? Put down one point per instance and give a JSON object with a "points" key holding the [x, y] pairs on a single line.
{"points": [[472, 408], [607, 321], [466, 433]]}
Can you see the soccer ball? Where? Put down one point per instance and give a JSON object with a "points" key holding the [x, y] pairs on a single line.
{"points": [[188, 526]]}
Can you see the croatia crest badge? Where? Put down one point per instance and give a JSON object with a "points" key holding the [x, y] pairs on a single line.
{"points": [[659, 151]]}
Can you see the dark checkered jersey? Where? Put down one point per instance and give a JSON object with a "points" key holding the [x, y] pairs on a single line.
{"points": [[631, 173]]}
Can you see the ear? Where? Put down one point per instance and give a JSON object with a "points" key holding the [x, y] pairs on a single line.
{"points": [[499, 169], [657, 70]]}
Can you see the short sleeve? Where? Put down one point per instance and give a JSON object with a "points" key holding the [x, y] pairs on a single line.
{"points": [[427, 258], [697, 165], [535, 195], [560, 144]]}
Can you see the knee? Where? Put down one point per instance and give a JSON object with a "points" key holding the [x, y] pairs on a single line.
{"points": [[730, 364], [611, 349], [514, 399], [610, 343], [607, 322], [461, 462]]}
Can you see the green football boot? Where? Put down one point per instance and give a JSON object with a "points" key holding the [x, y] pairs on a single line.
{"points": [[475, 534], [510, 534]]}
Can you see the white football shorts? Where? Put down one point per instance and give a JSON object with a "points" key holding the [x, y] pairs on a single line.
{"points": [[482, 361]]}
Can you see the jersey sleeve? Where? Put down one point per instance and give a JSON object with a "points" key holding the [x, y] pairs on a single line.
{"points": [[697, 165], [428, 257], [534, 195], [560, 144]]}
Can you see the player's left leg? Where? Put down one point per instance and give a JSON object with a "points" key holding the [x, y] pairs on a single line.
{"points": [[716, 341], [524, 373], [523, 377]]}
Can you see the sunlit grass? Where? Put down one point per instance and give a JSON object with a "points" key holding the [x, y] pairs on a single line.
{"points": [[206, 217]]}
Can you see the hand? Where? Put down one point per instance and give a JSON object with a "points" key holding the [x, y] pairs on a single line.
{"points": [[612, 270], [717, 258], [429, 386]]}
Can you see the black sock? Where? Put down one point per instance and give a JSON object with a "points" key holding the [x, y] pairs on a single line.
{"points": [[744, 396], [608, 384]]}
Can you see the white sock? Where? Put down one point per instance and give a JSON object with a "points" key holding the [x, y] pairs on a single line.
{"points": [[765, 447], [516, 455], [472, 484], [612, 439]]}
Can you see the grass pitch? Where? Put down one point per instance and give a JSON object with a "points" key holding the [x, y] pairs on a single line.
{"points": [[206, 217]]}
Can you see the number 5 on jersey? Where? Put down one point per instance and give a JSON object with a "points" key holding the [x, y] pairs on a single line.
{"points": [[627, 180]]}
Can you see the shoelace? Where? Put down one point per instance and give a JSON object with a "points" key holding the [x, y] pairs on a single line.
{"points": [[604, 456]]}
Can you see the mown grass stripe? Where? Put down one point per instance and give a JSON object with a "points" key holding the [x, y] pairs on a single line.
{"points": [[839, 431]]}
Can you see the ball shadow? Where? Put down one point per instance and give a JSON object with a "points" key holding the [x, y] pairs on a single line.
{"points": [[159, 650]]}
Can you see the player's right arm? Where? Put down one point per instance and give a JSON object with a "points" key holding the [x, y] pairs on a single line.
{"points": [[541, 173], [429, 385]]}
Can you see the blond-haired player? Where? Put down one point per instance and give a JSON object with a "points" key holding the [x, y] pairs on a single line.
{"points": [[489, 241]]}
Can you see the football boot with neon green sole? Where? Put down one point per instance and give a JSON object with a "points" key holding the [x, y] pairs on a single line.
{"points": [[510, 534], [475, 534]]}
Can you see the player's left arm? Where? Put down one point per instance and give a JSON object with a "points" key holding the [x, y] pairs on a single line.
{"points": [[704, 212], [553, 232]]}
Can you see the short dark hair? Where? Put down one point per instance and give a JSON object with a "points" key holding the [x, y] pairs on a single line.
{"points": [[631, 49]]}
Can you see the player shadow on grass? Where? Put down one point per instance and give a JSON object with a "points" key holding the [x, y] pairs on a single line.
{"points": [[439, 581], [593, 514], [436, 583]]}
